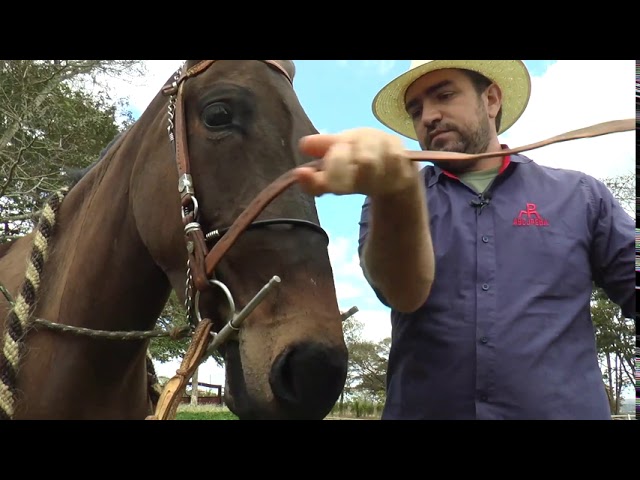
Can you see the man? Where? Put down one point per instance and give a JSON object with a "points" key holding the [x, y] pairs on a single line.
{"points": [[487, 265]]}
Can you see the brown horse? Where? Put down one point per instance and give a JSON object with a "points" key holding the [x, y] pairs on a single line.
{"points": [[109, 253]]}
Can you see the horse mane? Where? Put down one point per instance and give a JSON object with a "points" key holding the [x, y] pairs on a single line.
{"points": [[76, 174]]}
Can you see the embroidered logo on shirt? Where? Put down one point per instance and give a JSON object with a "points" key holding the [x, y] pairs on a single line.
{"points": [[530, 217]]}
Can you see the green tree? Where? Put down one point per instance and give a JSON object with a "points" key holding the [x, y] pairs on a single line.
{"points": [[366, 375], [614, 333], [55, 116], [352, 330], [368, 368], [623, 188], [616, 346]]}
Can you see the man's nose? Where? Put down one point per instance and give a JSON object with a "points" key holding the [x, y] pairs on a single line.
{"points": [[430, 117]]}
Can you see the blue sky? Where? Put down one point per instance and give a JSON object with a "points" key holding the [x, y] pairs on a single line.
{"points": [[337, 95]]}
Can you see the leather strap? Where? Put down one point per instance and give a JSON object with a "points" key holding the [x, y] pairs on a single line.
{"points": [[259, 203], [198, 246], [280, 68], [287, 179], [597, 130], [167, 406]]}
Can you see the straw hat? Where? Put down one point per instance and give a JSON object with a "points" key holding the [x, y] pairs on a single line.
{"points": [[511, 76]]}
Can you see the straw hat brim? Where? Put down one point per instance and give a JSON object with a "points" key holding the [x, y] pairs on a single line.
{"points": [[511, 76]]}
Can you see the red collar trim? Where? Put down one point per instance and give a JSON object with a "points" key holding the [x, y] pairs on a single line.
{"points": [[506, 160]]}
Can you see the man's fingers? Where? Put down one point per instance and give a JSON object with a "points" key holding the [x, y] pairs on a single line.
{"points": [[356, 161], [340, 169], [312, 181], [317, 145]]}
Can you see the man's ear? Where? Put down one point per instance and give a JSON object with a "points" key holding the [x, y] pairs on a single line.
{"points": [[494, 100]]}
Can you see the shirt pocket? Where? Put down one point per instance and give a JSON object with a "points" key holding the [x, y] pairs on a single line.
{"points": [[551, 257]]}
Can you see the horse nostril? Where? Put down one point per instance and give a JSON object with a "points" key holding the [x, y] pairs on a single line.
{"points": [[309, 378]]}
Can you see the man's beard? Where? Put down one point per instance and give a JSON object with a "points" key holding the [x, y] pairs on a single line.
{"points": [[464, 141]]}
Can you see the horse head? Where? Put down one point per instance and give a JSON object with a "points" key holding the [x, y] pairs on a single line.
{"points": [[235, 126]]}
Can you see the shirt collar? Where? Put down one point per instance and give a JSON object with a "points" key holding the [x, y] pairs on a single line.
{"points": [[506, 161]]}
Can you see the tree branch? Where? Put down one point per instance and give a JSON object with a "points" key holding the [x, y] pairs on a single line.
{"points": [[13, 167], [623, 364], [65, 73], [17, 218]]}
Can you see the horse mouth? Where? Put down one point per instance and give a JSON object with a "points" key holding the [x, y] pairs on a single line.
{"points": [[305, 381], [237, 397]]}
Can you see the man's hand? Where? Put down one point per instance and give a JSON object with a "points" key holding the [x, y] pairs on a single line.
{"points": [[363, 160]]}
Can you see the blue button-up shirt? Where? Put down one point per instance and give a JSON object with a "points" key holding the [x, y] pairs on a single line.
{"points": [[506, 332]]}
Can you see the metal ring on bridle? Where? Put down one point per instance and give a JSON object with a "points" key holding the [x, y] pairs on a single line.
{"points": [[225, 290], [194, 201], [189, 227]]}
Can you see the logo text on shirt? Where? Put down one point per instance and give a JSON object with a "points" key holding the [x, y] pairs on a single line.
{"points": [[530, 217]]}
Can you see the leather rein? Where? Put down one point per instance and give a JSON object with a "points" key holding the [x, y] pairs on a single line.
{"points": [[202, 261]]}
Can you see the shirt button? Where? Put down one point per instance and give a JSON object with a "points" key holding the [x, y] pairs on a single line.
{"points": [[484, 340], [485, 239], [485, 287]]}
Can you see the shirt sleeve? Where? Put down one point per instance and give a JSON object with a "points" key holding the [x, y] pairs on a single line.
{"points": [[613, 248], [362, 238]]}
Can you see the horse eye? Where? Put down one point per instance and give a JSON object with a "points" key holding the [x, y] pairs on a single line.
{"points": [[217, 115]]}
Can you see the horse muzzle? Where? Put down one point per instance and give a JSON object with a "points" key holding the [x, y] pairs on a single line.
{"points": [[307, 379]]}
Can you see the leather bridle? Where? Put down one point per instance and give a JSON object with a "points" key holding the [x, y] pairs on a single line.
{"points": [[202, 260]]}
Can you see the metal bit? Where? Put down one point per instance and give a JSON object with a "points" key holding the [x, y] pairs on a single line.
{"points": [[234, 324], [349, 313]]}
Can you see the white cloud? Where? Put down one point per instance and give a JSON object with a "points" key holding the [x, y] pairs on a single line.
{"points": [[347, 291], [377, 324], [338, 249], [158, 72], [573, 94], [344, 259], [352, 289], [141, 90]]}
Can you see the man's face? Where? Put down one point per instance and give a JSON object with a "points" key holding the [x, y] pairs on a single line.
{"points": [[449, 115]]}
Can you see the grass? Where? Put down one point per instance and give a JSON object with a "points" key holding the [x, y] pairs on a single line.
{"points": [[204, 412], [214, 412]]}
